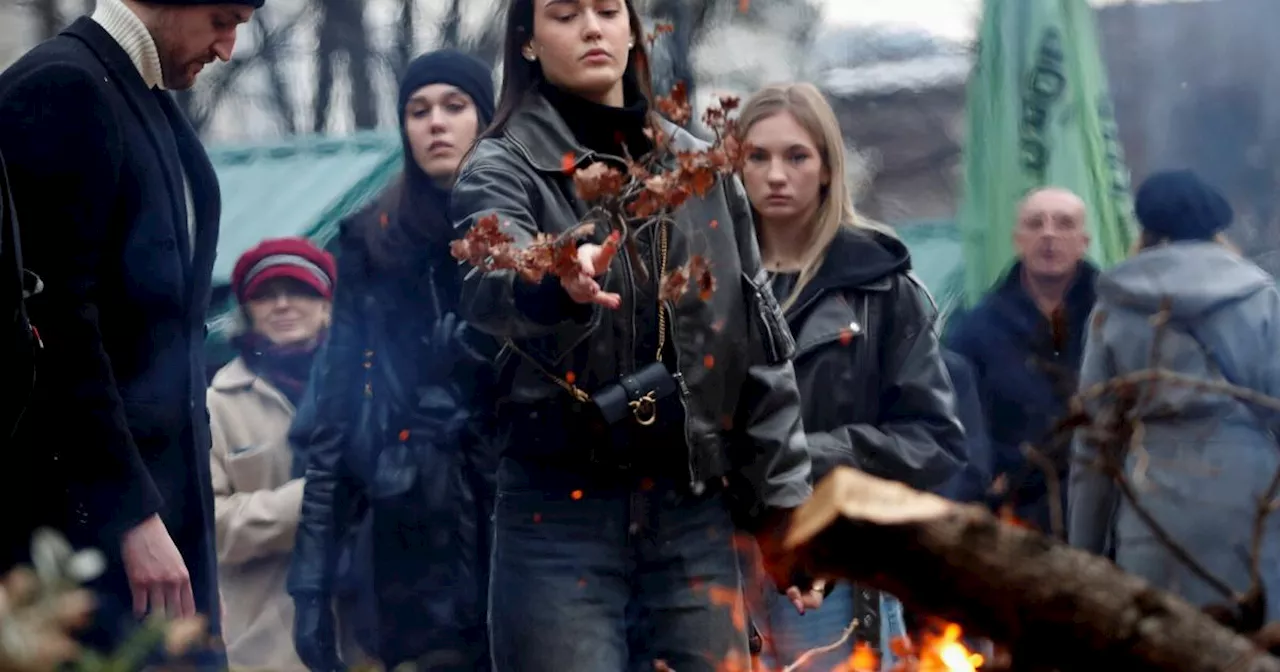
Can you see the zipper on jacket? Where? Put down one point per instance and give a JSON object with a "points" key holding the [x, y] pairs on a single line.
{"points": [[695, 484]]}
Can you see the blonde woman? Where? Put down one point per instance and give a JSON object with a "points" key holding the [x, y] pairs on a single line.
{"points": [[1191, 303], [873, 386]]}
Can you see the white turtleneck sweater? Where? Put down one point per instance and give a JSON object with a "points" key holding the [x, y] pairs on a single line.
{"points": [[132, 35]]}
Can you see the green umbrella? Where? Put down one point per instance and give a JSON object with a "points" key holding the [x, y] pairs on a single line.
{"points": [[1039, 114]]}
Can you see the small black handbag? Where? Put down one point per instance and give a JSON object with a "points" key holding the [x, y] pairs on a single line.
{"points": [[645, 404], [638, 405]]}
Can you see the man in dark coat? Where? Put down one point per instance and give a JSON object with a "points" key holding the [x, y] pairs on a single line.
{"points": [[120, 219], [1024, 340]]}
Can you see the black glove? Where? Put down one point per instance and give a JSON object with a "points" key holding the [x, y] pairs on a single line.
{"points": [[446, 342], [314, 634]]}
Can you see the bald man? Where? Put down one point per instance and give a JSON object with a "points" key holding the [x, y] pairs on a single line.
{"points": [[1024, 341]]}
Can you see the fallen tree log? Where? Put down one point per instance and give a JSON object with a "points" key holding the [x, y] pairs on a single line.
{"points": [[1055, 607]]}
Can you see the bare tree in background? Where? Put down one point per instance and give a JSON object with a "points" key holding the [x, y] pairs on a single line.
{"points": [[48, 15], [690, 20], [272, 40], [343, 33], [271, 50], [404, 44], [484, 43]]}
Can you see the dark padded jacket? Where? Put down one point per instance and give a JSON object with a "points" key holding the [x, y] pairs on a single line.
{"points": [[396, 429]]}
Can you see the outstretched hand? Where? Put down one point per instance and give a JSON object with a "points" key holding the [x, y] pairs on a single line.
{"points": [[594, 261]]}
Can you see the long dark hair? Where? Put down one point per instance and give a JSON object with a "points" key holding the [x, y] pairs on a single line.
{"points": [[520, 76], [408, 220]]}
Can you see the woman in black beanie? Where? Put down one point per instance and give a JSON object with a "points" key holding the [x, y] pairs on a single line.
{"points": [[397, 494], [1189, 303]]}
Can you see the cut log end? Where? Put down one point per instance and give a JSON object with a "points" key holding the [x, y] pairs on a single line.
{"points": [[1055, 606], [855, 495]]}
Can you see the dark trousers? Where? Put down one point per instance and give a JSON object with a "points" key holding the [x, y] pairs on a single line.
{"points": [[600, 574]]}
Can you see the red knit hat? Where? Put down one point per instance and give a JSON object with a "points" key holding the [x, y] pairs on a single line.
{"points": [[295, 258]]}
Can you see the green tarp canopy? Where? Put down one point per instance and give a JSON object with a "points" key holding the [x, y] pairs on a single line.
{"points": [[301, 186], [937, 258]]}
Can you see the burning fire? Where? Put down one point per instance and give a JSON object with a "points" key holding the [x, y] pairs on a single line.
{"points": [[946, 653], [940, 652]]}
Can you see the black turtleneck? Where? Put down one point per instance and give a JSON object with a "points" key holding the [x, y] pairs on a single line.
{"points": [[603, 128], [606, 130]]}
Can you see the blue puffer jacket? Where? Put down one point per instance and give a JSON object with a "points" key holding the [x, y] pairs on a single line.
{"points": [[399, 468]]}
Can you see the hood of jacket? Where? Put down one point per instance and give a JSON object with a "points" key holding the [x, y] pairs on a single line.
{"points": [[1192, 278], [856, 258]]}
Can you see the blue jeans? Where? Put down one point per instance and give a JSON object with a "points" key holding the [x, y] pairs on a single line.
{"points": [[596, 574], [787, 634]]}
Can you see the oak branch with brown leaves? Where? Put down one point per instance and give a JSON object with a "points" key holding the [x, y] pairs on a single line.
{"points": [[625, 195]]}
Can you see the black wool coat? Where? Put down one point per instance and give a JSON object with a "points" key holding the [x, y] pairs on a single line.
{"points": [[117, 430]]}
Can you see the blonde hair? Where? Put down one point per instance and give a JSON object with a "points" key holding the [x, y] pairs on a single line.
{"points": [[810, 108], [1147, 240]]}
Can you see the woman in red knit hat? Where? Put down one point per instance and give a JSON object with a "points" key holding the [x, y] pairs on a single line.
{"points": [[285, 289]]}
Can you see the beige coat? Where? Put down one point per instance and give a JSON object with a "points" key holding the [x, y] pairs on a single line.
{"points": [[256, 506]]}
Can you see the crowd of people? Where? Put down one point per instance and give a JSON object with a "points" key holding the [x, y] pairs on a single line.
{"points": [[415, 461]]}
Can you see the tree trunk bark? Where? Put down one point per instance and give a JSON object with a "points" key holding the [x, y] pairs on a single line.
{"points": [[364, 109], [405, 33], [1054, 606], [450, 30], [327, 46], [269, 51]]}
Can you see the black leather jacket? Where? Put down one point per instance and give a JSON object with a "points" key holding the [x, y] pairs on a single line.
{"points": [[743, 411], [876, 391], [396, 430]]}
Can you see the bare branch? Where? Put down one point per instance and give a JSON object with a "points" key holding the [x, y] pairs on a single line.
{"points": [[804, 657]]}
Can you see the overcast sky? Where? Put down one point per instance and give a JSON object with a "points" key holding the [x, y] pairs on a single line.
{"points": [[952, 18]]}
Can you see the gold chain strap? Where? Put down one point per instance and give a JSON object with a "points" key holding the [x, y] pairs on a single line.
{"points": [[577, 392], [657, 286]]}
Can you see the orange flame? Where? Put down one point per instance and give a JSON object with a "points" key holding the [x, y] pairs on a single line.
{"points": [[946, 653]]}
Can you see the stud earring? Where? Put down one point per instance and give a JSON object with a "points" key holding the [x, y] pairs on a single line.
{"points": [[530, 56]]}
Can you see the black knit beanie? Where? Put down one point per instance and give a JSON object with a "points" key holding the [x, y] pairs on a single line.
{"points": [[448, 66], [1178, 205], [256, 4]]}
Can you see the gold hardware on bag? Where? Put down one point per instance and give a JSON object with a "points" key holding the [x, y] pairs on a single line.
{"points": [[638, 406], [645, 409]]}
